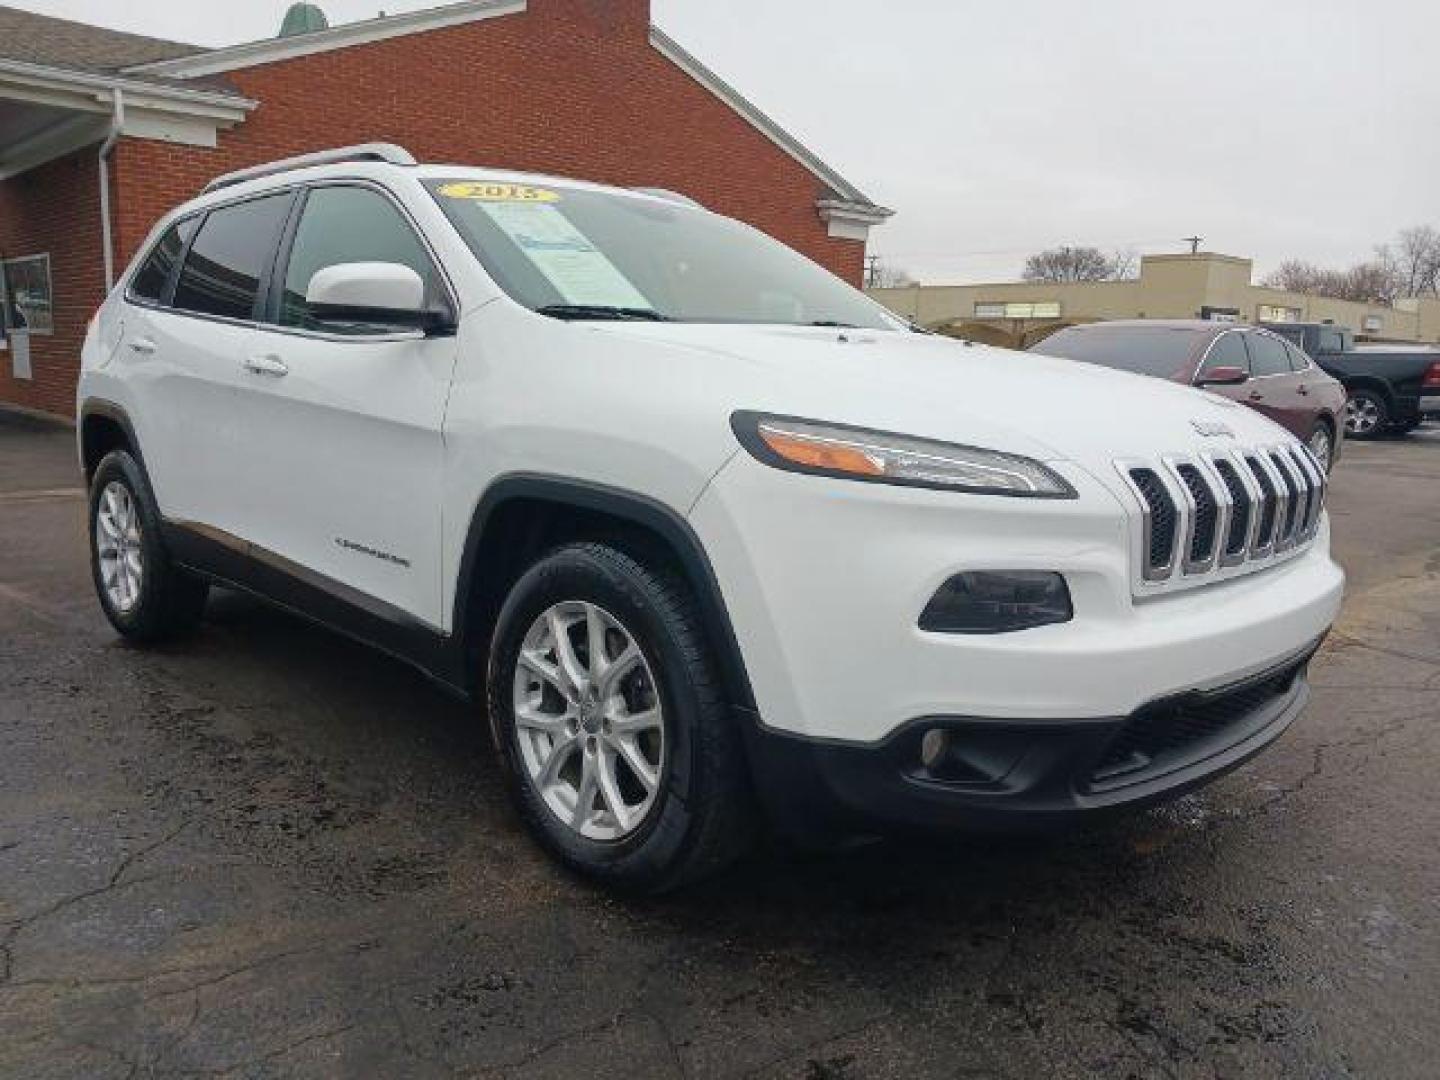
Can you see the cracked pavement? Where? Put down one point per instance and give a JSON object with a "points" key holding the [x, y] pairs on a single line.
{"points": [[270, 852]]}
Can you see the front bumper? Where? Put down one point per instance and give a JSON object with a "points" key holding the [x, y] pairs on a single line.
{"points": [[824, 582], [1018, 776], [1430, 404]]}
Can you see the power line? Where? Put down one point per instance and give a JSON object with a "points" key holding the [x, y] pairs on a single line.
{"points": [[1162, 242]]}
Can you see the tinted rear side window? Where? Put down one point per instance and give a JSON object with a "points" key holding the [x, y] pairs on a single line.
{"points": [[1228, 351], [1298, 360], [1268, 356], [223, 270], [1145, 350], [152, 279]]}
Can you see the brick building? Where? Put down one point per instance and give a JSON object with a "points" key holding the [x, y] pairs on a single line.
{"points": [[102, 132]]}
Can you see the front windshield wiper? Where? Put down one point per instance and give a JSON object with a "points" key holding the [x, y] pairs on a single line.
{"points": [[834, 323], [600, 311]]}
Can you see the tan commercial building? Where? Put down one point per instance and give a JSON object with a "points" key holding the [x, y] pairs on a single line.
{"points": [[1200, 286]]}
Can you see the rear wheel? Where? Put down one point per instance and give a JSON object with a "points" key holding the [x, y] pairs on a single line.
{"points": [[1366, 414], [144, 595], [604, 704]]}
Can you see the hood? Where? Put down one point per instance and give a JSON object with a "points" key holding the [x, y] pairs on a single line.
{"points": [[936, 387]]}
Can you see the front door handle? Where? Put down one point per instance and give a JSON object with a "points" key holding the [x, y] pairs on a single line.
{"points": [[266, 365], [144, 346], [1256, 395]]}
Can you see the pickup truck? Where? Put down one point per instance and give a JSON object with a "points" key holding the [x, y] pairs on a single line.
{"points": [[1391, 388]]}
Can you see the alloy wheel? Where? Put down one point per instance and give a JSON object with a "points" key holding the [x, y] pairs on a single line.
{"points": [[118, 545], [1362, 414], [588, 720]]}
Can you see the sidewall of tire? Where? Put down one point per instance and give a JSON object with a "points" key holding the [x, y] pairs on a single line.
{"points": [[153, 617], [650, 857]]}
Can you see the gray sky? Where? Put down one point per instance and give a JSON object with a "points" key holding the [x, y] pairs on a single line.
{"points": [[1277, 128]]}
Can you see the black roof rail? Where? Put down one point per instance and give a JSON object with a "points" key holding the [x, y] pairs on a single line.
{"points": [[377, 151]]}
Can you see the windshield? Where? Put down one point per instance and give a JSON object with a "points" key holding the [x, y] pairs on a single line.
{"points": [[1164, 352], [577, 253]]}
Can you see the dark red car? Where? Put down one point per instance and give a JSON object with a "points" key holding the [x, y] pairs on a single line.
{"points": [[1244, 363]]}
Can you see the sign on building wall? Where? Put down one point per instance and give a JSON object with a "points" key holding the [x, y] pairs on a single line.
{"points": [[26, 298]]}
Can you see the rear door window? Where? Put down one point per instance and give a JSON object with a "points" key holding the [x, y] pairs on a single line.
{"points": [[1298, 360], [228, 259], [1228, 351], [152, 280], [1267, 356]]}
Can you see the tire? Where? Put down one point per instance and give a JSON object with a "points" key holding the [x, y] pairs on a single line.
{"points": [[1322, 445], [1367, 414], [696, 817], [145, 597]]}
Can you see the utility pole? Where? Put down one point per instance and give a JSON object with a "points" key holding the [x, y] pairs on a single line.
{"points": [[1194, 242], [872, 270]]}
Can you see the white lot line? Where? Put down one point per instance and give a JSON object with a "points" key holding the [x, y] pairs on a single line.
{"points": [[43, 495]]}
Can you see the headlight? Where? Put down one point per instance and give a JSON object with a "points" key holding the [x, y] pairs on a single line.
{"points": [[857, 454]]}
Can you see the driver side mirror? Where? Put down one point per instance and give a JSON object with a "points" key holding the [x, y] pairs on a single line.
{"points": [[1223, 376], [386, 294]]}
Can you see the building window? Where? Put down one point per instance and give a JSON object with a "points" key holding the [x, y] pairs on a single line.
{"points": [[1276, 313], [1039, 309], [1373, 324], [26, 301]]}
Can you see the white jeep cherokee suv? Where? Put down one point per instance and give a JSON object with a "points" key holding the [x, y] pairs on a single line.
{"points": [[708, 529]]}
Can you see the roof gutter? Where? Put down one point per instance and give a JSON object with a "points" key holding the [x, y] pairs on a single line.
{"points": [[107, 239], [49, 77]]}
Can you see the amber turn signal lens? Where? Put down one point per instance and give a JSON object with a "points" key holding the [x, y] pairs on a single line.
{"points": [[818, 454]]}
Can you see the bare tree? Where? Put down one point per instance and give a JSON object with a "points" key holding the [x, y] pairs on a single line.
{"points": [[1368, 282], [887, 276], [1124, 265], [1413, 260], [1066, 263], [1410, 266]]}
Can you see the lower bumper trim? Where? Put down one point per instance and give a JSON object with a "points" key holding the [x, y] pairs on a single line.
{"points": [[1026, 775]]}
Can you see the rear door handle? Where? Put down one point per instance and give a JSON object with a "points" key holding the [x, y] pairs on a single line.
{"points": [[266, 365], [1255, 395], [1302, 389], [142, 345]]}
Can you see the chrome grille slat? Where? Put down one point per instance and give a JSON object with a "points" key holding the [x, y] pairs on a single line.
{"points": [[1290, 513], [1221, 513]]}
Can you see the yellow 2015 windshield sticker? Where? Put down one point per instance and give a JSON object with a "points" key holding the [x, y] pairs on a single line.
{"points": [[486, 191]]}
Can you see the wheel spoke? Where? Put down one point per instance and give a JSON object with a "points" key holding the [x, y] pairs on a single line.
{"points": [[585, 795], [610, 788], [533, 661], [530, 716], [635, 723], [560, 753], [595, 640], [635, 758], [570, 666], [617, 669]]}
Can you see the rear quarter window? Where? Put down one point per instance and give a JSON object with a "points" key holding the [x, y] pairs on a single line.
{"points": [[152, 280]]}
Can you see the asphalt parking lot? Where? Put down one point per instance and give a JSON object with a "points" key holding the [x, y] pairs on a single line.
{"points": [[269, 852]]}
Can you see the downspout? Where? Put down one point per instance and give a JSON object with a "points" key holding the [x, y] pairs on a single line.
{"points": [[117, 124]]}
